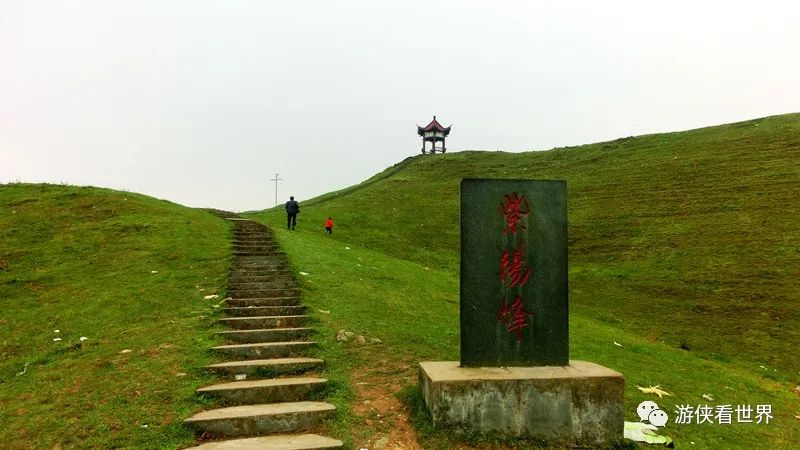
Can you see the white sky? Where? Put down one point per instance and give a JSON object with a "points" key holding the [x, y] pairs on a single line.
{"points": [[200, 102]]}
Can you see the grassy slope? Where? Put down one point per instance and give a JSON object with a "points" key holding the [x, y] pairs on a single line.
{"points": [[80, 260], [671, 235]]}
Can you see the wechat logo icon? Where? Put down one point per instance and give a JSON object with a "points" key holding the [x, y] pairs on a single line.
{"points": [[650, 412], [646, 430]]}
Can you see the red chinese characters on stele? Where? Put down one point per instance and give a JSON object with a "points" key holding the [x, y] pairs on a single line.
{"points": [[512, 208], [514, 271]]}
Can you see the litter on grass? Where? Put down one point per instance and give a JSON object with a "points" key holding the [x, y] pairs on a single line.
{"points": [[84, 338], [209, 297], [654, 390], [645, 432], [304, 273]]}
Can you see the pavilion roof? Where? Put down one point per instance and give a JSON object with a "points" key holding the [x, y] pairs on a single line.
{"points": [[433, 126]]}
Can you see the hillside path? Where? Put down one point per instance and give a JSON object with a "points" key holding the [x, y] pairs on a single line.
{"points": [[269, 393]]}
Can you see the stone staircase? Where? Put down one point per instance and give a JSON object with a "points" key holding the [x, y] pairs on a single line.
{"points": [[267, 343]]}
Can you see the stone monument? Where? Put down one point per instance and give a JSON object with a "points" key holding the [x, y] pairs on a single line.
{"points": [[515, 377]]}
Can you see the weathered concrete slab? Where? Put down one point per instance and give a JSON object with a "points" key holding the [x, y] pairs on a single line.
{"points": [[259, 278], [249, 311], [285, 283], [576, 404], [262, 418], [256, 323], [280, 442], [265, 391], [265, 335], [263, 301], [272, 366], [253, 293], [266, 349]]}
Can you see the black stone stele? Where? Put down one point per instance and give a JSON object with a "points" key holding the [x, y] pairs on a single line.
{"points": [[514, 273]]}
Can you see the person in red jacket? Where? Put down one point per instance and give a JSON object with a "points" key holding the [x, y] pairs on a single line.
{"points": [[329, 226]]}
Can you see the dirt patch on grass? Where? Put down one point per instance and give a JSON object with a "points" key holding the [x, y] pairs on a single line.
{"points": [[385, 421]]}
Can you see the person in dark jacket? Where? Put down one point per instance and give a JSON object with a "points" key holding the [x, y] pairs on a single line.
{"points": [[292, 209]]}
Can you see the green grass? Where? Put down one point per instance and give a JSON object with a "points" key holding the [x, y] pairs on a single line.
{"points": [[684, 248], [81, 261]]}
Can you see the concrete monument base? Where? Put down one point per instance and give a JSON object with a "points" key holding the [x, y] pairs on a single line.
{"points": [[576, 404]]}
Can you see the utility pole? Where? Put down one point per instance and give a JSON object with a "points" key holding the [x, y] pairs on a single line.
{"points": [[276, 179]]}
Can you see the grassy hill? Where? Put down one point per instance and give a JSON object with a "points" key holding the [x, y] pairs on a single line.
{"points": [[684, 249], [129, 273], [684, 265]]}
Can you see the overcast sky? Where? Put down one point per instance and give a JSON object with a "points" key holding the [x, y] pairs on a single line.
{"points": [[201, 102]]}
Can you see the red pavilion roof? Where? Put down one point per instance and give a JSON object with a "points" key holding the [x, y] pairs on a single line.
{"points": [[433, 126]]}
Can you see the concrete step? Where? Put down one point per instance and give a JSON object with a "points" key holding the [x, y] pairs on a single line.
{"points": [[259, 253], [257, 293], [266, 281], [260, 311], [254, 241], [256, 323], [251, 237], [272, 283], [268, 367], [266, 349], [263, 301], [275, 284], [257, 248], [260, 259], [276, 442], [265, 264], [267, 245], [262, 418], [268, 270], [265, 391], [260, 271], [238, 279], [265, 335]]}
